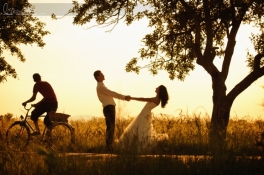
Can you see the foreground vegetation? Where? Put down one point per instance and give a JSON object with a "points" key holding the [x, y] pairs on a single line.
{"points": [[188, 135]]}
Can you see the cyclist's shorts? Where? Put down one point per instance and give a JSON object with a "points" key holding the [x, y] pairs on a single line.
{"points": [[42, 108]]}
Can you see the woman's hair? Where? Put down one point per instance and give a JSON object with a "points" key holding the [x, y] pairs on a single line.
{"points": [[163, 95]]}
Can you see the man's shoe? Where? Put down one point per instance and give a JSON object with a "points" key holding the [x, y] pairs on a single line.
{"points": [[35, 134]]}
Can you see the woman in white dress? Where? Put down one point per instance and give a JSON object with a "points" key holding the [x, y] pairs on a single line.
{"points": [[140, 133]]}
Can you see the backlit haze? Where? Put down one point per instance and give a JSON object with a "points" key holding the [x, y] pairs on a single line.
{"points": [[73, 53]]}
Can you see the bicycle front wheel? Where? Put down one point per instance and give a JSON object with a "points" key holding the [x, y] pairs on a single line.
{"points": [[18, 136], [61, 137]]}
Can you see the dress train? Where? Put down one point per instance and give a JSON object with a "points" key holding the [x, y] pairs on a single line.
{"points": [[140, 133]]}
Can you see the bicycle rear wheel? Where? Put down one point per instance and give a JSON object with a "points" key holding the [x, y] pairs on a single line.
{"points": [[61, 137], [18, 136]]}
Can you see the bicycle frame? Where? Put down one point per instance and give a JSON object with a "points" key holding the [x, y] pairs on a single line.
{"points": [[24, 120], [19, 134]]}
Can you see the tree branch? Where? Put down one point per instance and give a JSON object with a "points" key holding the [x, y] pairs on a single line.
{"points": [[231, 43], [200, 58], [208, 28], [257, 61], [247, 81]]}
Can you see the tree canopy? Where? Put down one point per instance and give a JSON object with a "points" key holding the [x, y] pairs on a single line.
{"points": [[17, 26], [185, 31]]}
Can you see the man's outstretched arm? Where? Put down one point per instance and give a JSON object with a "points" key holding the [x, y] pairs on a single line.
{"points": [[113, 94]]}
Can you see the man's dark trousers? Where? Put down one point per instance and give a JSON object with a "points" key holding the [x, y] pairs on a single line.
{"points": [[109, 113]]}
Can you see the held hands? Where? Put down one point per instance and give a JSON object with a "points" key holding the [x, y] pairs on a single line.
{"points": [[127, 98]]}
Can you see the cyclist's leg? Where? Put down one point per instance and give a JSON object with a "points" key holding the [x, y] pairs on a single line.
{"points": [[51, 106], [35, 114]]}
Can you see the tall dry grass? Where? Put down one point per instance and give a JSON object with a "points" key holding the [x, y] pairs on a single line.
{"points": [[188, 135]]}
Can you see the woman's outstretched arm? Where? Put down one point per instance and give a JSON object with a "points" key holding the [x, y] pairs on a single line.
{"points": [[154, 99]]}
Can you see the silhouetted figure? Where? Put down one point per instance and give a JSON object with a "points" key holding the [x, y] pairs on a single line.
{"points": [[47, 104], [106, 98], [141, 130]]}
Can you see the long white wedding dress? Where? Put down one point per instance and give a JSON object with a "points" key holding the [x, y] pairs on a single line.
{"points": [[140, 132]]}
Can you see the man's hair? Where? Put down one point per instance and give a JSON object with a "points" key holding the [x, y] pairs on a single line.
{"points": [[36, 77], [96, 74]]}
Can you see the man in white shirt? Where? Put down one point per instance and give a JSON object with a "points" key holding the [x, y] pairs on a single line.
{"points": [[106, 97]]}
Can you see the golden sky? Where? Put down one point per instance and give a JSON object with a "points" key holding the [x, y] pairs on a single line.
{"points": [[72, 54]]}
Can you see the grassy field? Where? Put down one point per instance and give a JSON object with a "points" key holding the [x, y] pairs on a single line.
{"points": [[188, 135]]}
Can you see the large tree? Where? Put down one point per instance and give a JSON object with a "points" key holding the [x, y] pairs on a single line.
{"points": [[17, 26], [186, 32]]}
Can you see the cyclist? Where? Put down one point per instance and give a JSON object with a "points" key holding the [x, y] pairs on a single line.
{"points": [[47, 104]]}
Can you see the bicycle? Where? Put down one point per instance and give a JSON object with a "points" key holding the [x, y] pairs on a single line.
{"points": [[59, 136]]}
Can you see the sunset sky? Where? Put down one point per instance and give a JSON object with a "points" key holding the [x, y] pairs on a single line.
{"points": [[72, 53]]}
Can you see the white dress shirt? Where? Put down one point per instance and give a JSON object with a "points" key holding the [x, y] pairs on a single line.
{"points": [[106, 96]]}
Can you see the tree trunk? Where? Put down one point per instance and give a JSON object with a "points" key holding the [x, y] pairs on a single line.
{"points": [[219, 123], [220, 114], [222, 102]]}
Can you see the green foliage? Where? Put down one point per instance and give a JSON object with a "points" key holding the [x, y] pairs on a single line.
{"points": [[183, 31], [258, 42], [17, 26]]}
